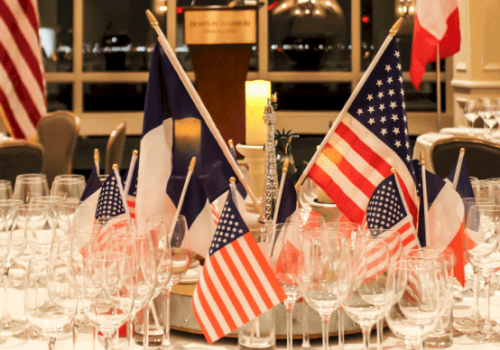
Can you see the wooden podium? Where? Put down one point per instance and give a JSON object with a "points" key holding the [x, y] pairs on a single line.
{"points": [[220, 39]]}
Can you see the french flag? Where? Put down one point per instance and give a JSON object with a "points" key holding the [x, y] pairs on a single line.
{"points": [[446, 219], [436, 23], [85, 212]]}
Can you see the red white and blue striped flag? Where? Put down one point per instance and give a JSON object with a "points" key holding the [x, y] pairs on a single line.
{"points": [[370, 139], [236, 284], [22, 86]]}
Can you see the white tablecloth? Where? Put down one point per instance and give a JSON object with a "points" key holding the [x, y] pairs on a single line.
{"points": [[424, 142]]}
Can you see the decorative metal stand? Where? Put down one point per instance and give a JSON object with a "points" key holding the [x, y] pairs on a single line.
{"points": [[271, 187]]}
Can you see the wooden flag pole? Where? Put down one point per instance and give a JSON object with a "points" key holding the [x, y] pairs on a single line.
{"points": [[97, 160], [131, 169], [424, 196], [201, 108], [392, 33], [459, 168], [438, 88], [183, 194], [122, 193]]}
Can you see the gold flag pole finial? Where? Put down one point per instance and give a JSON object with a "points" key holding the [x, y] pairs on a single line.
{"points": [[97, 157], [462, 150], [230, 142], [135, 152], [395, 27], [151, 18], [115, 166], [422, 158], [232, 180], [274, 97], [393, 170], [192, 164]]}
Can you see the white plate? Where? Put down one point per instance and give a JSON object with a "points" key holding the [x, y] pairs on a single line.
{"points": [[192, 275]]}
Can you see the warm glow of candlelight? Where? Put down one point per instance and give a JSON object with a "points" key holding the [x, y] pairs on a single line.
{"points": [[187, 136], [256, 94]]}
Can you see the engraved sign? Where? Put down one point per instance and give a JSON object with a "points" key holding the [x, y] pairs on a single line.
{"points": [[220, 27]]}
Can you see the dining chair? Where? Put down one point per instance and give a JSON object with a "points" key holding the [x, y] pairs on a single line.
{"points": [[114, 149], [20, 157], [58, 133], [481, 156]]}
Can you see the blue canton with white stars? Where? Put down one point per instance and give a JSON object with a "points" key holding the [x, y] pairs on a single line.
{"points": [[110, 202], [385, 208], [380, 105], [231, 226]]}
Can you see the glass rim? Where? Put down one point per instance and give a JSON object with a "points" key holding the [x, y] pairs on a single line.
{"points": [[69, 176], [396, 265], [10, 202], [48, 199], [5, 183], [486, 207], [101, 256], [128, 235], [32, 206]]}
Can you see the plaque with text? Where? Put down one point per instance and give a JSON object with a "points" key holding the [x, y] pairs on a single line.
{"points": [[226, 26]]}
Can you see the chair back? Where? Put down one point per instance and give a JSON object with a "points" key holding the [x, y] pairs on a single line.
{"points": [[114, 149], [482, 156], [20, 157], [58, 133]]}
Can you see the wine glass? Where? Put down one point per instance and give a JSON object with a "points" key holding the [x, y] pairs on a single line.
{"points": [[495, 109], [54, 203], [65, 224], [30, 185], [481, 246], [108, 291], [140, 251], [484, 111], [324, 273], [5, 189], [178, 235], [366, 301], [469, 110], [4, 250], [413, 312], [304, 223], [50, 301], [70, 187], [8, 205], [481, 189], [284, 260]]}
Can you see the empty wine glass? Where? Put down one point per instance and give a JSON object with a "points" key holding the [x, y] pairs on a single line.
{"points": [[482, 251], [469, 109], [8, 205], [65, 224], [140, 250], [5, 189], [70, 187], [50, 301], [30, 185], [178, 235], [369, 295], [413, 312], [4, 250], [481, 189], [323, 274], [487, 115], [54, 203], [108, 291]]}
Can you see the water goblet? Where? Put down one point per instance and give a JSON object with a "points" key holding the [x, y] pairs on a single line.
{"points": [[50, 300], [5, 189], [30, 185], [108, 291], [70, 187]]}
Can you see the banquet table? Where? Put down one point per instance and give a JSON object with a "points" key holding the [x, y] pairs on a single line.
{"points": [[193, 342], [424, 142]]}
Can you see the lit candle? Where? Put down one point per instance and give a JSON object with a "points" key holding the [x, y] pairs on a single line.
{"points": [[256, 94], [187, 138]]}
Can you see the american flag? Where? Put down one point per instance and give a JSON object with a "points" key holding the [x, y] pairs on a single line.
{"points": [[110, 210], [387, 211], [22, 87], [371, 138], [236, 284], [132, 192]]}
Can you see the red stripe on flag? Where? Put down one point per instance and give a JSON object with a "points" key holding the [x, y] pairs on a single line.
{"points": [[13, 125], [344, 203], [218, 300], [265, 267], [348, 170], [239, 280], [30, 13], [200, 322], [210, 315], [229, 290], [365, 152], [251, 273], [22, 44]]}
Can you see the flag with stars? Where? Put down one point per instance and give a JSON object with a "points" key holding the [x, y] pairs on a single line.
{"points": [[236, 284], [370, 139], [110, 204], [132, 192]]}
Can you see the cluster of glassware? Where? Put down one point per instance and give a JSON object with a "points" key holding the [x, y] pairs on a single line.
{"points": [[368, 275], [74, 276], [488, 109]]}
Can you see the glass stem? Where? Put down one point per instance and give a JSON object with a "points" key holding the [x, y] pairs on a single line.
{"points": [[325, 318], [475, 311], [166, 320], [74, 333], [305, 326], [380, 333], [107, 342], [487, 328], [145, 327], [366, 337], [340, 327], [6, 316], [130, 332], [94, 337], [289, 323], [52, 342]]}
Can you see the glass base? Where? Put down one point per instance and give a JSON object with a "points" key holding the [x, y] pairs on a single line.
{"points": [[30, 333], [12, 327], [439, 342], [467, 325], [485, 338]]}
